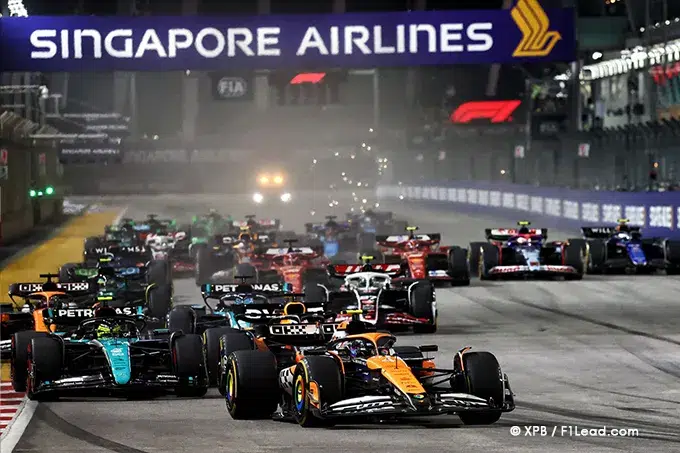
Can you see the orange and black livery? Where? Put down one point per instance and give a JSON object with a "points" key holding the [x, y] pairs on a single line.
{"points": [[360, 373]]}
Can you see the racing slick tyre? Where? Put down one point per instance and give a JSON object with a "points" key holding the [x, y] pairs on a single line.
{"points": [[182, 319], [574, 256], [159, 273], [66, 272], [251, 385], [458, 267], [672, 258], [160, 301], [474, 252], [44, 363], [19, 360], [204, 266], [481, 377], [211, 349], [189, 362], [422, 305], [230, 342], [596, 257], [326, 374], [489, 258]]}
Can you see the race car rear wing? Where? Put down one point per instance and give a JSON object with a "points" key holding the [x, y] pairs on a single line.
{"points": [[393, 240], [215, 291], [604, 232], [302, 334], [343, 270], [266, 223], [503, 234], [118, 250], [267, 312], [73, 288], [74, 316]]}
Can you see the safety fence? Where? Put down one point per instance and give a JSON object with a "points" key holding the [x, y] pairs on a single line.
{"points": [[563, 209], [631, 158]]}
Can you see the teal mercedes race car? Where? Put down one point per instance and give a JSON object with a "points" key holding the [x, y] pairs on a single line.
{"points": [[108, 355]]}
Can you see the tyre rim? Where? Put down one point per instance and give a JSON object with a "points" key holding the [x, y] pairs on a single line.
{"points": [[299, 393], [231, 385]]}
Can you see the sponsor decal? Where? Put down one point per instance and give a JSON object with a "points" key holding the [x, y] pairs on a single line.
{"points": [[590, 212], [308, 77], [522, 202], [273, 287], [494, 111], [661, 216], [537, 38], [88, 312], [570, 209], [636, 215], [611, 213], [73, 43]]}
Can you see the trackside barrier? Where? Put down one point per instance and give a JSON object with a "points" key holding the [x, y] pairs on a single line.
{"points": [[657, 212]]}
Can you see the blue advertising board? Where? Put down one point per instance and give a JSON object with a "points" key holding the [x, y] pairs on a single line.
{"points": [[527, 32], [550, 207]]}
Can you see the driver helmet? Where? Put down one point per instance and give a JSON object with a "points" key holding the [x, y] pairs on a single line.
{"points": [[622, 227], [357, 348], [104, 331], [524, 230]]}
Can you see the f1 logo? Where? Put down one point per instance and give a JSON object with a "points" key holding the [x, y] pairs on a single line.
{"points": [[494, 111], [537, 40]]}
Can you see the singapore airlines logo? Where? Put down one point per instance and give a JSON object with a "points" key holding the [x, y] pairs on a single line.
{"points": [[537, 40]]}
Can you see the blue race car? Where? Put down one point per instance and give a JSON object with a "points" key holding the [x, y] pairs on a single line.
{"points": [[238, 307], [335, 237], [108, 355], [524, 252], [622, 248]]}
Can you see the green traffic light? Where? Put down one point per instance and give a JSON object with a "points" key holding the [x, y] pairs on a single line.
{"points": [[32, 193], [40, 193], [49, 190]]}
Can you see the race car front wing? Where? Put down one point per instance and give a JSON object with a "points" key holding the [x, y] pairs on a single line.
{"points": [[416, 405], [545, 269], [105, 383]]}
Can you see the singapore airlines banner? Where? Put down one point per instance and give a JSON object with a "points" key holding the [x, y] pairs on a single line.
{"points": [[79, 43]]}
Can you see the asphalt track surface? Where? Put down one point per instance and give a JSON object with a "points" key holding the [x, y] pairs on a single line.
{"points": [[603, 352]]}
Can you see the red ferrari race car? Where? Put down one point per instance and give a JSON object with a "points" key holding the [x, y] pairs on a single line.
{"points": [[298, 266], [424, 258]]}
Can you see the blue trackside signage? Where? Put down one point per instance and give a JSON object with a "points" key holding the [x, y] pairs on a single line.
{"points": [[658, 213], [79, 43]]}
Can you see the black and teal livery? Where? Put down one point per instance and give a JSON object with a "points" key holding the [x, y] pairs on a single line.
{"points": [[109, 355]]}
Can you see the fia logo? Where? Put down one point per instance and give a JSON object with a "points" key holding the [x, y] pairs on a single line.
{"points": [[232, 87]]}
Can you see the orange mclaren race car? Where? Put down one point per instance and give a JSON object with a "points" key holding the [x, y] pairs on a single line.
{"points": [[359, 373], [38, 299], [424, 258]]}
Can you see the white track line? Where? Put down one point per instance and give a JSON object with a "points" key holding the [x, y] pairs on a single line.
{"points": [[15, 429]]}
